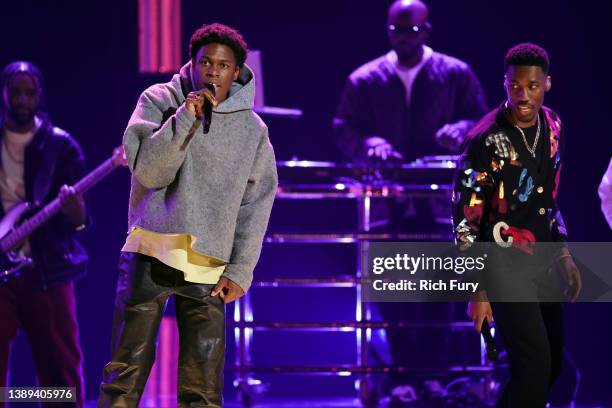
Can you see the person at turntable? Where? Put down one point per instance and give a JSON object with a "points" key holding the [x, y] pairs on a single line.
{"points": [[39, 162], [406, 104], [410, 102]]}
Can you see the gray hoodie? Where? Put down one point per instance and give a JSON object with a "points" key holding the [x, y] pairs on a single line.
{"points": [[218, 187]]}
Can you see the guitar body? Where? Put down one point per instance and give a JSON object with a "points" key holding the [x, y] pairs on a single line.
{"points": [[13, 261]]}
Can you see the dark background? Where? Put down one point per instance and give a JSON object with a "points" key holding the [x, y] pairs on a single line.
{"points": [[89, 56]]}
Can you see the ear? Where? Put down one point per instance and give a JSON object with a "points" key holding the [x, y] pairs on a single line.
{"points": [[236, 72], [548, 83]]}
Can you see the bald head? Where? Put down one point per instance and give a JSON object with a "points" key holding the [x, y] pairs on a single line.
{"points": [[413, 10], [408, 29]]}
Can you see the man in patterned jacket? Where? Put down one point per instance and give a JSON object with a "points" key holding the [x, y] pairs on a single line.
{"points": [[505, 192]]}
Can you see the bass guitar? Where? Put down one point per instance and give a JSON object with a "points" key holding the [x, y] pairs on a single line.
{"points": [[15, 227]]}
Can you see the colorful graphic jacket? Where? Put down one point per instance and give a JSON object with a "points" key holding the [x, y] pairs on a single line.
{"points": [[502, 193]]}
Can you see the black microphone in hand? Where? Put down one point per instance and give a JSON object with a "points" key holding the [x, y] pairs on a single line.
{"points": [[208, 108], [485, 330]]}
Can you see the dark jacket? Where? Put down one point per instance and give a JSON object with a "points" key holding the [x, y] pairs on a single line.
{"points": [[501, 191], [374, 104], [57, 255]]}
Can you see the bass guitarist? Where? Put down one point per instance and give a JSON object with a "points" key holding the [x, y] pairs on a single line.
{"points": [[38, 163]]}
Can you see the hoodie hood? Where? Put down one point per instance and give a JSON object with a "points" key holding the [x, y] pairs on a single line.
{"points": [[241, 96]]}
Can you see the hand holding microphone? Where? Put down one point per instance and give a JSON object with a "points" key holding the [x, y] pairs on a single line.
{"points": [[485, 330], [201, 102], [479, 310]]}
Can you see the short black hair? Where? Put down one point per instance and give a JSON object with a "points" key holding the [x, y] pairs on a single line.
{"points": [[220, 34], [527, 54]]}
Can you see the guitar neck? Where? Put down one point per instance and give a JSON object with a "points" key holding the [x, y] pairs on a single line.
{"points": [[24, 230]]}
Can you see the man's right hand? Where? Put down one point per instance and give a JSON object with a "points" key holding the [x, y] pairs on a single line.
{"points": [[195, 102], [380, 148], [477, 311]]}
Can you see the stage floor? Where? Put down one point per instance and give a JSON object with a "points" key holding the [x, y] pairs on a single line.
{"points": [[311, 403]]}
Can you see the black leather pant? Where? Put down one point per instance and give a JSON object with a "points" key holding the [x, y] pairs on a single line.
{"points": [[143, 287]]}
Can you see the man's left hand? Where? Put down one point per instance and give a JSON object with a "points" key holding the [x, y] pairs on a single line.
{"points": [[227, 289], [571, 277], [451, 136], [73, 205]]}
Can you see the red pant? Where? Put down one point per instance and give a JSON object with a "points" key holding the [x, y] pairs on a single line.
{"points": [[48, 318]]}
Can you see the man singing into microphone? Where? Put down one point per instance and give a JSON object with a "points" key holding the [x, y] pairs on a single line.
{"points": [[199, 206]]}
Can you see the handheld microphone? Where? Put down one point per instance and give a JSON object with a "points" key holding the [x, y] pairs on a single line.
{"points": [[485, 330], [208, 108]]}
